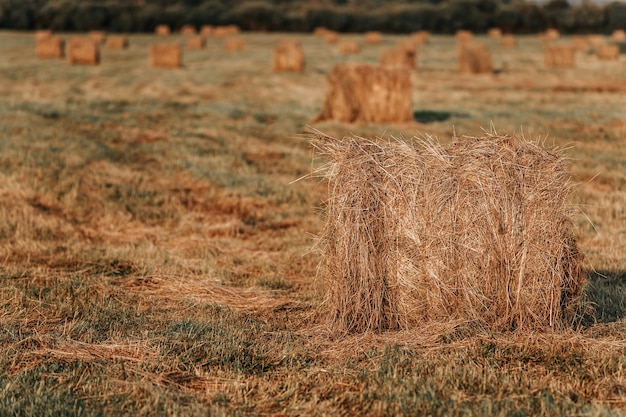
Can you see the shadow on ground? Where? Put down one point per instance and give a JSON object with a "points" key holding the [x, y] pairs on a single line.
{"points": [[606, 292], [430, 116]]}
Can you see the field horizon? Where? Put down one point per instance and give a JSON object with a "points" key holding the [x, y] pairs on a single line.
{"points": [[158, 233]]}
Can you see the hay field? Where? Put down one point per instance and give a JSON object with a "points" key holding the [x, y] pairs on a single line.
{"points": [[156, 251]]}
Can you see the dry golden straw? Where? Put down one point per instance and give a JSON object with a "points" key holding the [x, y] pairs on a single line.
{"points": [[478, 232], [117, 42], [399, 57], [474, 58], [563, 56], [166, 55], [363, 93], [288, 56], [83, 51], [50, 47]]}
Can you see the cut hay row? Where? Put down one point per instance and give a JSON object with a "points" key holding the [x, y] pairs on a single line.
{"points": [[166, 55], [117, 42], [288, 56], [608, 52], [399, 58], [478, 232], [560, 56], [474, 58], [50, 47], [83, 51], [367, 94]]}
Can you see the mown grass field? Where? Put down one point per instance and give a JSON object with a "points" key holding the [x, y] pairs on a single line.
{"points": [[156, 250]]}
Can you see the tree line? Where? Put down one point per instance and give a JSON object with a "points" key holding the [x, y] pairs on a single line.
{"points": [[437, 16]]}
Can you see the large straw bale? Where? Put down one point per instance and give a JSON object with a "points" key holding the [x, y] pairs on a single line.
{"points": [[475, 58], [234, 44], [478, 232], [373, 38], [117, 42], [508, 41], [563, 56], [97, 36], [596, 40], [51, 47], [83, 51], [166, 55], [289, 56], [196, 42], [188, 30], [608, 52], [363, 93], [494, 33], [349, 47], [399, 58], [207, 30], [162, 30], [42, 34], [619, 35]]}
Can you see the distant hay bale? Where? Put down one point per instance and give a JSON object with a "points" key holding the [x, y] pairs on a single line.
{"points": [[207, 30], [464, 36], [162, 30], [474, 58], [97, 36], [508, 41], [234, 44], [608, 52], [83, 51], [331, 37], [196, 42], [421, 37], [494, 33], [224, 31], [42, 34], [289, 56], [188, 30], [349, 47], [619, 35], [51, 47], [596, 40], [407, 43], [399, 58], [166, 55], [478, 232], [560, 56], [552, 34], [373, 38], [363, 93], [580, 43], [320, 31], [117, 42]]}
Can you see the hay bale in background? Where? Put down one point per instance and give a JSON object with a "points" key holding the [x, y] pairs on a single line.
{"points": [[331, 37], [320, 31], [348, 47], [464, 36], [508, 41], [166, 55], [373, 38], [117, 42], [608, 52], [560, 56], [207, 30], [196, 42], [188, 30], [234, 44], [97, 36], [596, 41], [83, 51], [42, 34], [619, 35], [162, 30], [51, 47], [399, 58], [478, 232], [224, 31], [288, 56], [363, 93], [552, 34], [494, 33], [474, 58], [580, 43], [421, 37]]}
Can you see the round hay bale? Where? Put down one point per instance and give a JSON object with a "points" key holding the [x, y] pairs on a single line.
{"points": [[474, 58], [363, 93], [166, 55], [83, 51], [478, 232], [50, 47], [288, 56], [399, 57], [560, 56], [349, 47]]}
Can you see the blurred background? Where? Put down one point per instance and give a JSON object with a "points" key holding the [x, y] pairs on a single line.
{"points": [[438, 16]]}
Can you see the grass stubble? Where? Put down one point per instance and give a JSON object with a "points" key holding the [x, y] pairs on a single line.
{"points": [[156, 252]]}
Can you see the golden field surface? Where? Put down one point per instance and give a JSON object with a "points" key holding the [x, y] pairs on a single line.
{"points": [[158, 230]]}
